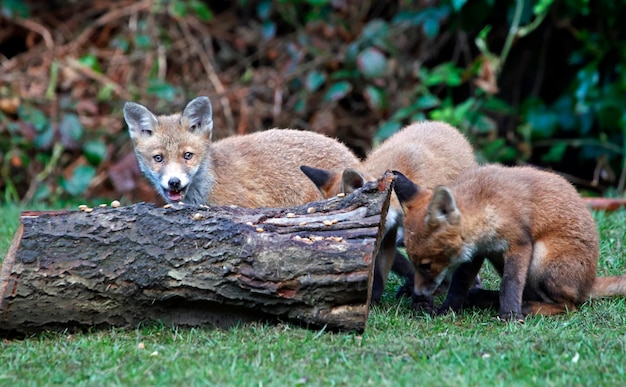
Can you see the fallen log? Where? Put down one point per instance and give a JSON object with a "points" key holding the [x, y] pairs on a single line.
{"points": [[195, 265]]}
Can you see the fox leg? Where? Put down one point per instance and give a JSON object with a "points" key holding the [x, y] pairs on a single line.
{"points": [[560, 284], [462, 278], [404, 268], [483, 298], [514, 273], [378, 286], [384, 263]]}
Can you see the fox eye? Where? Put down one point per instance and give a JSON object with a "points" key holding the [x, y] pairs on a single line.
{"points": [[158, 158], [425, 265], [188, 155]]}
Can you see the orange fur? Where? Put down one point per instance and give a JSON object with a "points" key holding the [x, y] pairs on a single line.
{"points": [[429, 153], [533, 227], [261, 169]]}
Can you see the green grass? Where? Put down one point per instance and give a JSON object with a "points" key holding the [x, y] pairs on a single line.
{"points": [[399, 347]]}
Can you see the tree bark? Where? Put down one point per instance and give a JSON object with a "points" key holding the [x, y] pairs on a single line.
{"points": [[195, 265]]}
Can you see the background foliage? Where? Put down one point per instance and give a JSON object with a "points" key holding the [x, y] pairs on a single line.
{"points": [[539, 82]]}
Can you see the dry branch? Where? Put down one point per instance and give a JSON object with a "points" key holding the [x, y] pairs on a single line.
{"points": [[190, 265]]}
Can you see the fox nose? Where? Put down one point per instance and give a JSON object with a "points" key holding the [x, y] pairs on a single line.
{"points": [[174, 183]]}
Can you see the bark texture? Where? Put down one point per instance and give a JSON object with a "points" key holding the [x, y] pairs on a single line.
{"points": [[190, 265]]}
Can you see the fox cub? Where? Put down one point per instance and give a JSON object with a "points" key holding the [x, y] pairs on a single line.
{"points": [[530, 224], [177, 155], [429, 153]]}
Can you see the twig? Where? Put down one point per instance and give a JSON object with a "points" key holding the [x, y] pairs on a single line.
{"points": [[210, 71], [242, 127], [57, 151], [110, 16], [622, 177], [38, 28], [100, 78], [513, 31]]}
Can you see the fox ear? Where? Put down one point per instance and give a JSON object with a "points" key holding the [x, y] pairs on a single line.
{"points": [[442, 208], [322, 178], [405, 188], [140, 121], [198, 115], [351, 180], [318, 176]]}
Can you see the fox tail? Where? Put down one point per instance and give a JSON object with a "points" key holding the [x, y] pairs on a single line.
{"points": [[609, 286]]}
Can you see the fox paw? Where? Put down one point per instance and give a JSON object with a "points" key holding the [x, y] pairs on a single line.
{"points": [[423, 304], [405, 290], [443, 310], [512, 317]]}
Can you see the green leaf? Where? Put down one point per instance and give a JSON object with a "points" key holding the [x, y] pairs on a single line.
{"points": [[202, 10], [31, 114], [177, 9], [403, 113], [162, 89], [119, 43], [431, 27], [90, 61], [542, 6], [498, 150], [423, 102], [246, 77], [268, 30], [556, 152], [427, 101], [95, 151], [71, 127], [374, 32], [300, 105], [376, 98], [498, 105], [386, 130], [542, 121], [14, 8], [484, 124], [446, 73], [106, 92], [418, 116], [41, 193], [142, 40], [318, 2], [481, 40], [78, 183], [458, 4], [351, 54], [338, 91], [44, 138], [372, 63], [345, 74], [314, 80], [263, 10], [564, 109]]}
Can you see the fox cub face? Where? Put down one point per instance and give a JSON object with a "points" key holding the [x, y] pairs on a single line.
{"points": [[434, 241], [171, 150]]}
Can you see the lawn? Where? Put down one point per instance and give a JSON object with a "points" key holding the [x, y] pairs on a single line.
{"points": [[399, 347]]}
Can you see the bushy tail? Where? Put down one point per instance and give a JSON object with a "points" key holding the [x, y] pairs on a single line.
{"points": [[609, 286]]}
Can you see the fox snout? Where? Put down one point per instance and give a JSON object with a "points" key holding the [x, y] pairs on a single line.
{"points": [[427, 282], [426, 288], [174, 185]]}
